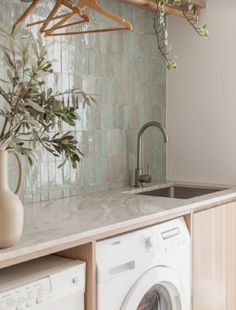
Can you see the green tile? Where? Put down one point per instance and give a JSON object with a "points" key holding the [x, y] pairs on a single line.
{"points": [[125, 73]]}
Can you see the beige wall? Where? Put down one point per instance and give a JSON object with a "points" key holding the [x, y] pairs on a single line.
{"points": [[201, 98]]}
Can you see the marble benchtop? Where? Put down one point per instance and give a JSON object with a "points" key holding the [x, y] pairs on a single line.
{"points": [[60, 222]]}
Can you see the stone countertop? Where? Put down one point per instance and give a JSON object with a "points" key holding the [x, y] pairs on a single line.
{"points": [[57, 223]]}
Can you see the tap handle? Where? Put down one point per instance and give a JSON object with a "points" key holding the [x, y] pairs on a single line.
{"points": [[148, 177]]}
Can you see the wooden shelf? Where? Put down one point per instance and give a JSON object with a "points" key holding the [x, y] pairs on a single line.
{"points": [[152, 5]]}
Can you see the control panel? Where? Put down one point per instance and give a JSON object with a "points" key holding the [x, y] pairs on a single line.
{"points": [[26, 296], [163, 239], [39, 283]]}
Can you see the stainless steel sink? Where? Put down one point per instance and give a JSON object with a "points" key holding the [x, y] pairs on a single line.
{"points": [[180, 192]]}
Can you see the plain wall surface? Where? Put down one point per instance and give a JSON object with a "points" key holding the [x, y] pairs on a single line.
{"points": [[201, 98]]}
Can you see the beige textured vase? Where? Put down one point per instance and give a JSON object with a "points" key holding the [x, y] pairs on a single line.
{"points": [[11, 208]]}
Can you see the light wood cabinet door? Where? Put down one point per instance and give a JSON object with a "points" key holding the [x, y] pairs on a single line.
{"points": [[231, 287], [210, 259]]}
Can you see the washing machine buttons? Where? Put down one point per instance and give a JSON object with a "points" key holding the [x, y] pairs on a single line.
{"points": [[75, 280]]}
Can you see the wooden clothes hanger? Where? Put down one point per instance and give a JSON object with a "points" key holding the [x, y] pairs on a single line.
{"points": [[74, 10], [27, 12], [82, 5]]}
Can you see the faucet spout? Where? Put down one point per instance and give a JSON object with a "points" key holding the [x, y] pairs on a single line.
{"points": [[140, 178]]}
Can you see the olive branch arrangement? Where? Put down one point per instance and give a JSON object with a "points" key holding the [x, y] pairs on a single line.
{"points": [[32, 115], [162, 32]]}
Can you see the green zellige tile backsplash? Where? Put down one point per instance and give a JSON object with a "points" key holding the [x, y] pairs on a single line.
{"points": [[126, 74]]}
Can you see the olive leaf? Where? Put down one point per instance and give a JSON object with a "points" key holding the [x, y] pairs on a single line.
{"points": [[34, 115]]}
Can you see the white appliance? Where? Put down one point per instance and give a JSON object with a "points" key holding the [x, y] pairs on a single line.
{"points": [[48, 283], [147, 269]]}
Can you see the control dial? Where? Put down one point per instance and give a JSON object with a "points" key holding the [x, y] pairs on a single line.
{"points": [[150, 242]]}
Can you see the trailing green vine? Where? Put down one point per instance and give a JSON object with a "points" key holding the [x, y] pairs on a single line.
{"points": [[161, 31]]}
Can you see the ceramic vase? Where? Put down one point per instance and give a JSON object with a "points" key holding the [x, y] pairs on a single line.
{"points": [[11, 208]]}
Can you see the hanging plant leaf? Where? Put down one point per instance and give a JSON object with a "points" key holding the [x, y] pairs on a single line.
{"points": [[161, 31]]}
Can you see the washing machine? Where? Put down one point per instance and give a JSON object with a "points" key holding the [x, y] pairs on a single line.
{"points": [[47, 283], [148, 269]]}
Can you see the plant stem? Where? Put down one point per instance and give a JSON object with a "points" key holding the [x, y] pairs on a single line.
{"points": [[191, 22], [3, 94], [158, 32], [4, 128], [21, 95]]}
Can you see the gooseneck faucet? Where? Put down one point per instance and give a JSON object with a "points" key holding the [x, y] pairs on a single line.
{"points": [[140, 177]]}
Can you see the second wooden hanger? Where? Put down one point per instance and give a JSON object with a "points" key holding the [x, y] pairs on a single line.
{"points": [[68, 4], [91, 4]]}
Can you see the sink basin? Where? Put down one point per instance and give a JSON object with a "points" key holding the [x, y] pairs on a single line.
{"points": [[180, 192]]}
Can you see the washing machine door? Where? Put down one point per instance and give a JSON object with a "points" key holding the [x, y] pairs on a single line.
{"points": [[157, 289]]}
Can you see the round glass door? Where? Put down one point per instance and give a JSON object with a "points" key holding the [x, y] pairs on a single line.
{"points": [[156, 298], [157, 289]]}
